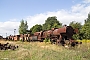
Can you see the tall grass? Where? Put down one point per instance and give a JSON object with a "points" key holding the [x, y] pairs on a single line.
{"points": [[44, 51]]}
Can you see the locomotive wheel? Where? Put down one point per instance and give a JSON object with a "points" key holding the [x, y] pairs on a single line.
{"points": [[67, 42], [4, 48], [41, 40], [58, 42], [52, 41]]}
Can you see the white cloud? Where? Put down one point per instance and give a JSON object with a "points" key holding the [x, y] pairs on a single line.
{"points": [[86, 1], [63, 16], [77, 13], [8, 27]]}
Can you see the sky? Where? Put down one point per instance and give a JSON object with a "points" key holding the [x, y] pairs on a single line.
{"points": [[37, 11]]}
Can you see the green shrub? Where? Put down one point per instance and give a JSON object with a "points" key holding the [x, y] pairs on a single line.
{"points": [[46, 40]]}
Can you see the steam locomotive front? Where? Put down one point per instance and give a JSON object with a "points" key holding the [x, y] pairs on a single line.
{"points": [[69, 31]]}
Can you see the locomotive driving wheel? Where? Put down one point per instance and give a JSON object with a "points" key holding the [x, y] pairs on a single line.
{"points": [[57, 42]]}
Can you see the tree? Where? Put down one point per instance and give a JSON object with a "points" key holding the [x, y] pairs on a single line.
{"points": [[78, 26], [88, 19], [36, 28], [86, 28], [75, 25], [23, 27], [86, 31], [51, 22], [26, 26]]}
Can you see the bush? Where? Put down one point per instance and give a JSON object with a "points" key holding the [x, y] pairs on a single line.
{"points": [[46, 40]]}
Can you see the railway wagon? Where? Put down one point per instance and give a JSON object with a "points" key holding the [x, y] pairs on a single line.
{"points": [[16, 37], [24, 37]]}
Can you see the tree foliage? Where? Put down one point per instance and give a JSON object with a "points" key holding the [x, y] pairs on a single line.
{"points": [[36, 28], [86, 31], [78, 26], [23, 27], [75, 25], [86, 28], [51, 22], [88, 19]]}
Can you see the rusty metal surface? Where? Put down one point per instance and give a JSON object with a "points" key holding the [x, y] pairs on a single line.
{"points": [[37, 33], [59, 30]]}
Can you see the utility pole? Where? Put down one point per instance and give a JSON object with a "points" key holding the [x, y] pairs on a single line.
{"points": [[6, 34], [14, 31]]}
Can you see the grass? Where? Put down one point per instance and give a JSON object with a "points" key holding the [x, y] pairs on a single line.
{"points": [[45, 51]]}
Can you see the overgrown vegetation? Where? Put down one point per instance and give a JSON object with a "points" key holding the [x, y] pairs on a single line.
{"points": [[46, 40], [43, 51]]}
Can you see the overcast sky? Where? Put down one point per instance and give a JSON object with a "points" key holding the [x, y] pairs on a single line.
{"points": [[37, 11]]}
